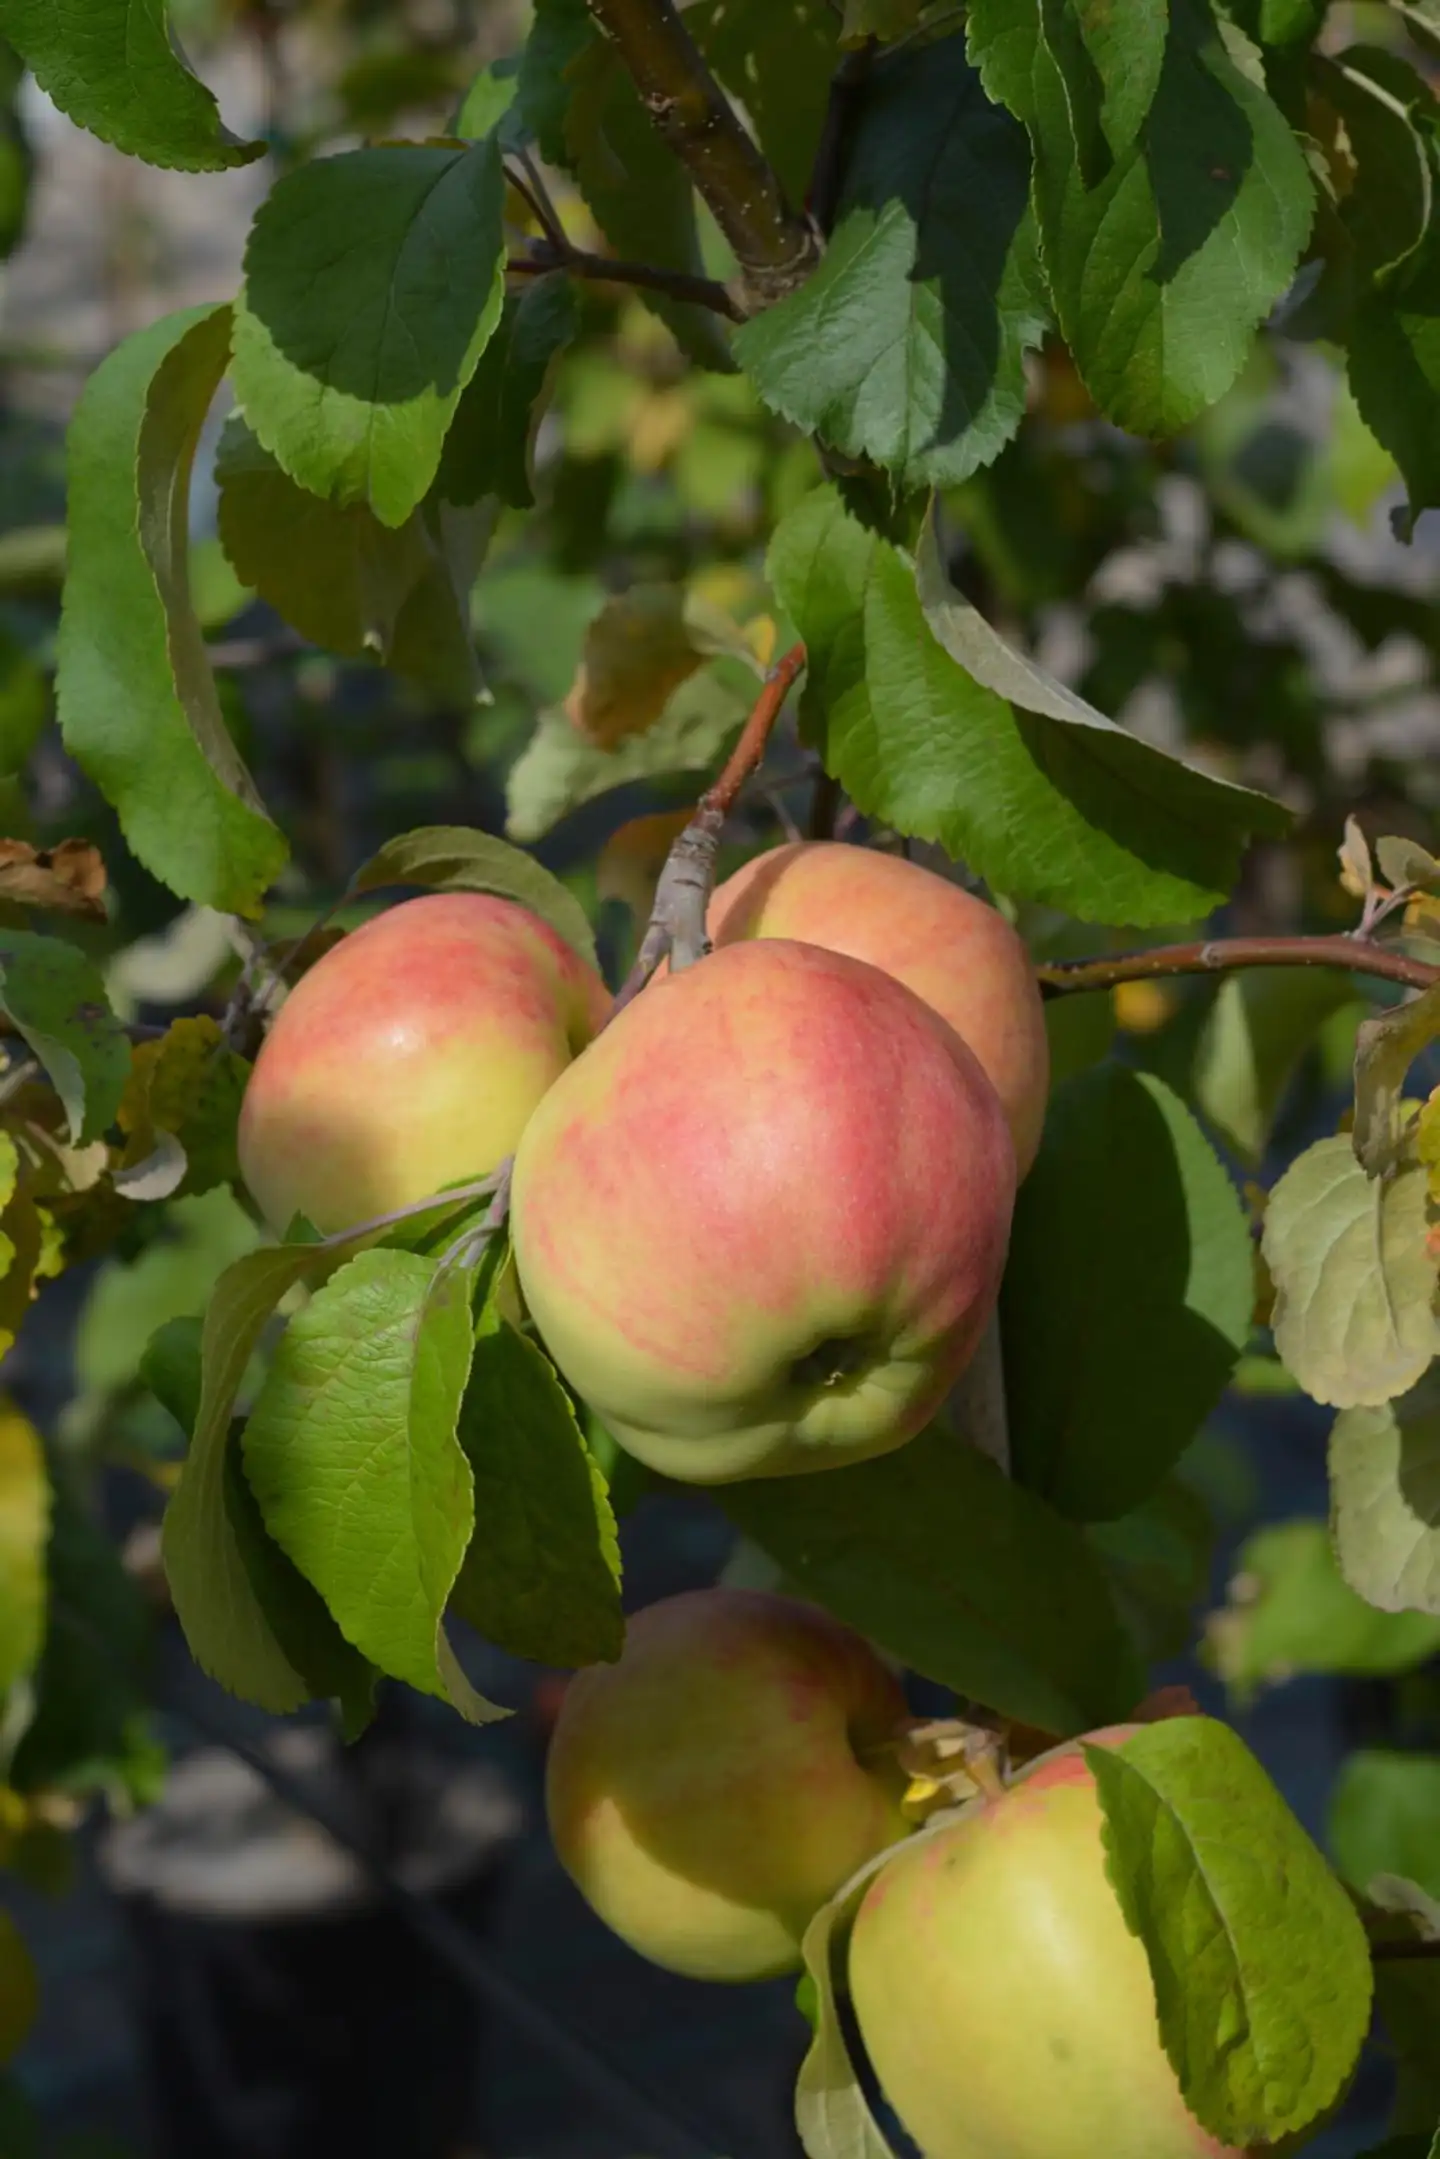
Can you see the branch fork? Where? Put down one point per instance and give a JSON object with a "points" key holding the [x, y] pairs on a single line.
{"points": [[677, 929]]}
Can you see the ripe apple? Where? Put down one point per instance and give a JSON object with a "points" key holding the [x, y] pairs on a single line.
{"points": [[712, 1789], [1006, 2009], [761, 1222], [956, 953], [410, 1057]]}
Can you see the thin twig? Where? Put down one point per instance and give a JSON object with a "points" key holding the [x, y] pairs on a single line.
{"points": [[1404, 1949], [775, 248], [532, 187], [547, 255], [1223, 955], [682, 898]]}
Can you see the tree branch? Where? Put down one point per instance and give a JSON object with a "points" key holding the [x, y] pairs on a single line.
{"points": [[775, 248], [1223, 955], [547, 255], [682, 898]]}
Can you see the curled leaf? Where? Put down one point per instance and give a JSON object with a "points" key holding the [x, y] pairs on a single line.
{"points": [[1357, 872], [69, 878]]}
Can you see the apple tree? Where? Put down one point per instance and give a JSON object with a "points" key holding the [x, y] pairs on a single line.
{"points": [[859, 481]]}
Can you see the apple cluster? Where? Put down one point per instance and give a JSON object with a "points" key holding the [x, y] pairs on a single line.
{"points": [[759, 1222], [710, 1791]]}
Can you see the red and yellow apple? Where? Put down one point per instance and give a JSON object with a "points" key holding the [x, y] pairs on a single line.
{"points": [[1005, 2007], [410, 1057], [959, 955], [712, 1789], [761, 1223]]}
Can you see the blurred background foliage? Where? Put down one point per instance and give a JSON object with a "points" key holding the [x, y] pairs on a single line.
{"points": [[1238, 592]]}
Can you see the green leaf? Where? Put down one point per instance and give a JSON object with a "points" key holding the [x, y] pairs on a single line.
{"points": [[352, 1454], [90, 1685], [1385, 1499], [1163, 266], [1385, 1818], [1394, 373], [1157, 807], [1354, 1284], [1291, 1610], [350, 359], [560, 767], [488, 449], [1110, 62], [24, 1531], [24, 704], [1260, 1963], [172, 1367], [1158, 1558], [346, 581], [185, 1089], [250, 1618], [934, 1553], [577, 95], [137, 700], [56, 998], [1259, 1028], [113, 67], [1387, 112], [541, 1578], [455, 858], [487, 102], [907, 345], [832, 2112], [777, 61], [1127, 1296], [910, 697]]}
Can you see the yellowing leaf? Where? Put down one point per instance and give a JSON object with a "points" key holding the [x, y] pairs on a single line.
{"points": [[1427, 1141], [189, 1086], [1354, 1315], [1406, 862], [632, 859], [637, 650], [1142, 1008], [1357, 874], [24, 1528]]}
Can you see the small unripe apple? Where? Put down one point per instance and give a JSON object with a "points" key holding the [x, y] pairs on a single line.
{"points": [[1005, 2007], [761, 1222], [712, 1789], [959, 955], [411, 1057]]}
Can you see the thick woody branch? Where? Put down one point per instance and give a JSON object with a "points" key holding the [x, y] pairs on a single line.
{"points": [[775, 248], [1223, 955], [682, 898]]}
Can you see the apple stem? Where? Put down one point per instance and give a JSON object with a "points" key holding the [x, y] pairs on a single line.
{"points": [[676, 929]]}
